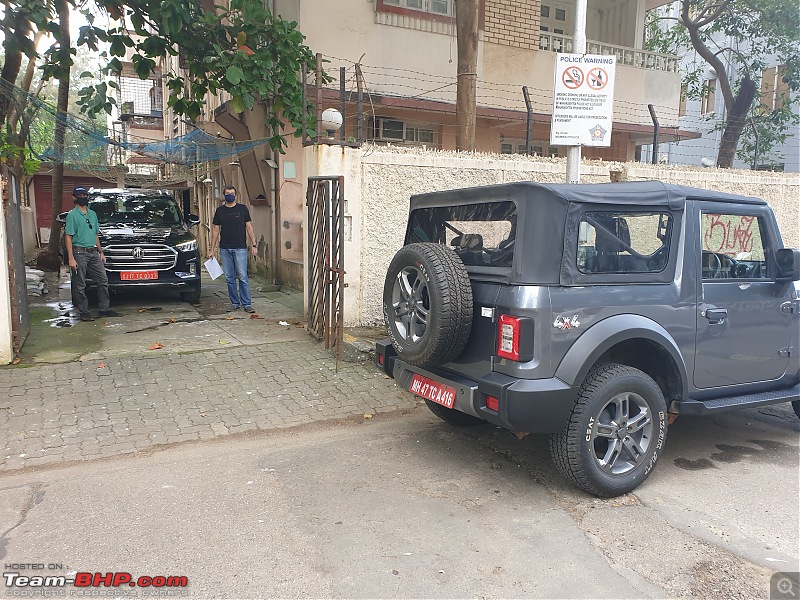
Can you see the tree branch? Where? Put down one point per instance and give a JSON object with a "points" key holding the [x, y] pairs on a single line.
{"points": [[712, 59], [703, 21]]}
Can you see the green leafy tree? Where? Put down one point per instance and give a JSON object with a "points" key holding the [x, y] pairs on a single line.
{"points": [[243, 50], [737, 39]]}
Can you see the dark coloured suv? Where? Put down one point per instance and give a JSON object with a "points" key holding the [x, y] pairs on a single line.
{"points": [[594, 313], [147, 242]]}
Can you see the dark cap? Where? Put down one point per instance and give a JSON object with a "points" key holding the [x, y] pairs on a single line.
{"points": [[79, 190]]}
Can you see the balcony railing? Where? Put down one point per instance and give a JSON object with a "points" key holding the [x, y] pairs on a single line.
{"points": [[632, 57]]}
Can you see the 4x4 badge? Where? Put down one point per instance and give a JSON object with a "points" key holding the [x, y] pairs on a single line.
{"points": [[565, 323]]}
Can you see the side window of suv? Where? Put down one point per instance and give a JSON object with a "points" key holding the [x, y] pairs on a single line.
{"points": [[733, 247], [623, 242]]}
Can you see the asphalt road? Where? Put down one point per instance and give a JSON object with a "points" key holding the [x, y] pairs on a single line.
{"points": [[403, 505]]}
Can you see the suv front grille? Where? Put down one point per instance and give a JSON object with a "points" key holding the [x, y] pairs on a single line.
{"points": [[140, 257]]}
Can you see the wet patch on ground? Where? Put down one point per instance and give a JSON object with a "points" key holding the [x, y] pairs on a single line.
{"points": [[53, 338], [762, 451], [694, 465]]}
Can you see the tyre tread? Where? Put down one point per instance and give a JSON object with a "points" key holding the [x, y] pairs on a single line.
{"points": [[452, 324], [564, 446]]}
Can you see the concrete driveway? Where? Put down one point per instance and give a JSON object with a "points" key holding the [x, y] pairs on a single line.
{"points": [[153, 317], [405, 506]]}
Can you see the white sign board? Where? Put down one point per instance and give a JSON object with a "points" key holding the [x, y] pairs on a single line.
{"points": [[583, 100]]}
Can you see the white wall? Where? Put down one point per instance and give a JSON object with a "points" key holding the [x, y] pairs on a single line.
{"points": [[6, 345], [380, 180]]}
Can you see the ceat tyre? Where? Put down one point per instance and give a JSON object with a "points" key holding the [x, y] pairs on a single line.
{"points": [[427, 304], [616, 432]]}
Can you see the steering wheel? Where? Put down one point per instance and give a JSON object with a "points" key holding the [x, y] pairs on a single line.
{"points": [[715, 269]]}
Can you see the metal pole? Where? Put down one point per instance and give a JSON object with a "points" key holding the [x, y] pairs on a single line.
{"points": [[304, 117], [578, 47], [653, 116], [529, 121], [755, 150], [360, 106], [342, 75], [319, 98]]}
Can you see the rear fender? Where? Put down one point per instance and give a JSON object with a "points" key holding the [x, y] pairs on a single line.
{"points": [[599, 338]]}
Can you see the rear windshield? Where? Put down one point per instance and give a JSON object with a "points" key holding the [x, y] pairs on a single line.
{"points": [[481, 234], [142, 209]]}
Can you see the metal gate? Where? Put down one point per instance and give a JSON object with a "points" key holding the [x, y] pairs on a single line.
{"points": [[325, 201], [20, 319]]}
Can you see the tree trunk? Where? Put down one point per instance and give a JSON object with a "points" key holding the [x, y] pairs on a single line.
{"points": [[735, 123], [467, 38], [60, 129], [12, 65]]}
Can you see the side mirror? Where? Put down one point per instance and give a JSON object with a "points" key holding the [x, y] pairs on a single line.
{"points": [[62, 218], [193, 220], [788, 263]]}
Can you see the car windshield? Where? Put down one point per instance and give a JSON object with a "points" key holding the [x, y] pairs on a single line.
{"points": [[113, 209]]}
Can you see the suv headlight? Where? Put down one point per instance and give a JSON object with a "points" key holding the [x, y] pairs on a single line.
{"points": [[187, 246]]}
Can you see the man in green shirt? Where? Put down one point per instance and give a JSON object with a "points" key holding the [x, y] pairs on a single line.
{"points": [[86, 256]]}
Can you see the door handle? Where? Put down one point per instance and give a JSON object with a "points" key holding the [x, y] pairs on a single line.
{"points": [[715, 315]]}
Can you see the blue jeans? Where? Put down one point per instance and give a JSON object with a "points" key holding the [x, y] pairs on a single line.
{"points": [[234, 263]]}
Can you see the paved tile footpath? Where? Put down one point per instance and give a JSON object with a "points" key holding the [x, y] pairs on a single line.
{"points": [[81, 410]]}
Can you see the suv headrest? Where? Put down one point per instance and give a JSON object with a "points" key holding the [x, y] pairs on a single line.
{"points": [[468, 241], [611, 234]]}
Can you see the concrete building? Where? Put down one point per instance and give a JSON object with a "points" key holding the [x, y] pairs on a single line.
{"points": [[704, 116], [406, 51]]}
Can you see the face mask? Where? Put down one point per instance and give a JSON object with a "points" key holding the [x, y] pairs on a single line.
{"points": [[82, 200], [230, 197]]}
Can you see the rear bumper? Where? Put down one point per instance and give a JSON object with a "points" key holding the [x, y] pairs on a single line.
{"points": [[527, 405]]}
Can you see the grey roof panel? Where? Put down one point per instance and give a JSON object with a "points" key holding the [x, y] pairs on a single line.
{"points": [[640, 193]]}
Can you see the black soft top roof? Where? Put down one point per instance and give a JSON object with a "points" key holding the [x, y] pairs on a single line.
{"points": [[542, 215], [640, 193]]}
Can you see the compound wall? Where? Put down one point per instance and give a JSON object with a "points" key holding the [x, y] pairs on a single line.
{"points": [[380, 180]]}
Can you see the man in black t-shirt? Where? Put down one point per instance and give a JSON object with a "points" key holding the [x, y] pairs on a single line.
{"points": [[232, 227]]}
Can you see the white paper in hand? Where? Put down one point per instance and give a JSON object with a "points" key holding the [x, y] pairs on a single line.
{"points": [[213, 267]]}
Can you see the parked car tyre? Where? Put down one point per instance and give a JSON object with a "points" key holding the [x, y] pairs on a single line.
{"points": [[616, 432], [454, 417], [796, 407], [191, 296], [427, 304]]}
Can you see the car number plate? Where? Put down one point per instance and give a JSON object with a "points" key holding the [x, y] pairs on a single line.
{"points": [[137, 275], [433, 391]]}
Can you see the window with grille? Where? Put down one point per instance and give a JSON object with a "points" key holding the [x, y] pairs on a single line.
{"points": [[444, 8], [774, 89], [398, 131], [557, 17], [709, 96], [518, 147]]}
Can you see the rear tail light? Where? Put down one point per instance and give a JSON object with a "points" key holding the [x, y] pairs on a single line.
{"points": [[492, 403], [515, 338], [380, 359], [508, 337]]}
